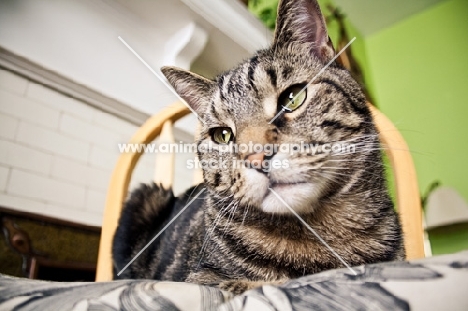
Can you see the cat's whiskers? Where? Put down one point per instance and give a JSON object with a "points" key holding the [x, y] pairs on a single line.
{"points": [[331, 174], [210, 230], [334, 167], [347, 160], [367, 141], [367, 136], [363, 161], [326, 175], [334, 173], [246, 209], [230, 218], [224, 210], [376, 148]]}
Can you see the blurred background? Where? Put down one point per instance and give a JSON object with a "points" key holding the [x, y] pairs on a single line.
{"points": [[70, 91]]}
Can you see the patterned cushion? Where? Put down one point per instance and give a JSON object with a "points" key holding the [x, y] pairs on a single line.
{"points": [[436, 283]]}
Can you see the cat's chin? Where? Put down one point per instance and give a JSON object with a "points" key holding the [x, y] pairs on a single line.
{"points": [[263, 193], [299, 197]]}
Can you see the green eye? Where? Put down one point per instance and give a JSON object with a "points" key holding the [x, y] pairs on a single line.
{"points": [[292, 98], [222, 135]]}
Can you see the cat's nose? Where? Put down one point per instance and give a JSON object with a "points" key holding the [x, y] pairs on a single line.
{"points": [[256, 159]]}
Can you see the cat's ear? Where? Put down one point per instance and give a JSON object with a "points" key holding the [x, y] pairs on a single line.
{"points": [[194, 89], [301, 21]]}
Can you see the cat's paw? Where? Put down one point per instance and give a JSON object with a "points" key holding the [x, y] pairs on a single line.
{"points": [[238, 287]]}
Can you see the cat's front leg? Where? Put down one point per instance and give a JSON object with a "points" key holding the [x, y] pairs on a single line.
{"points": [[212, 277], [205, 277], [238, 287]]}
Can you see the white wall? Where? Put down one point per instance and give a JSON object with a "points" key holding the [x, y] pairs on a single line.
{"points": [[57, 153], [79, 40]]}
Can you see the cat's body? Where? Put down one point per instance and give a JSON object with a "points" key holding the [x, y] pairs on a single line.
{"points": [[241, 229]]}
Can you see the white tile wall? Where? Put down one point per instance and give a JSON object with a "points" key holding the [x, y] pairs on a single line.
{"points": [[52, 141], [24, 204], [98, 179], [22, 108], [90, 132], [4, 172], [95, 200], [75, 215], [13, 83], [41, 94], [46, 189], [25, 158], [103, 158], [114, 124], [8, 126], [57, 153]]}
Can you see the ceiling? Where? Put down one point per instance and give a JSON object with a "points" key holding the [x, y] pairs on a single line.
{"points": [[371, 16]]}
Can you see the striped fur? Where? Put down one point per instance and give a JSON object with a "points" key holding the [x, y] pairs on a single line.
{"points": [[239, 233]]}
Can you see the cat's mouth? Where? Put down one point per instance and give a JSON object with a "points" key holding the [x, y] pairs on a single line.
{"points": [[284, 185], [280, 192], [283, 196]]}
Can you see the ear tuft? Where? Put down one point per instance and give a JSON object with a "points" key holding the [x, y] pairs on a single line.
{"points": [[194, 89], [302, 22]]}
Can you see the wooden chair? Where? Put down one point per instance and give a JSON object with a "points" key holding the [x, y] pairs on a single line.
{"points": [[407, 191]]}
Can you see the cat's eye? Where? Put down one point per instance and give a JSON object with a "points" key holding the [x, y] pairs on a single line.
{"points": [[222, 135], [293, 97]]}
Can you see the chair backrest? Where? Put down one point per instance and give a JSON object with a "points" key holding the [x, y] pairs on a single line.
{"points": [[407, 192], [408, 199]]}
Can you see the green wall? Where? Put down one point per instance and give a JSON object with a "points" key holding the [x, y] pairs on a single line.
{"points": [[419, 76], [357, 47]]}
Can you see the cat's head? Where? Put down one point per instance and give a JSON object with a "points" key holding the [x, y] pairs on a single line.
{"points": [[250, 106]]}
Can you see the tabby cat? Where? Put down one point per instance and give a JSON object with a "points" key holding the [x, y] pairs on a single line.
{"points": [[238, 233]]}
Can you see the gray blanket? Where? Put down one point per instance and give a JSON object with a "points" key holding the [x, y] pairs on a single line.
{"points": [[436, 283]]}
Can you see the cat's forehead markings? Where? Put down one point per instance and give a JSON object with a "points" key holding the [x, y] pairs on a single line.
{"points": [[214, 112], [271, 72], [270, 106], [286, 72], [229, 86], [219, 110], [263, 80]]}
